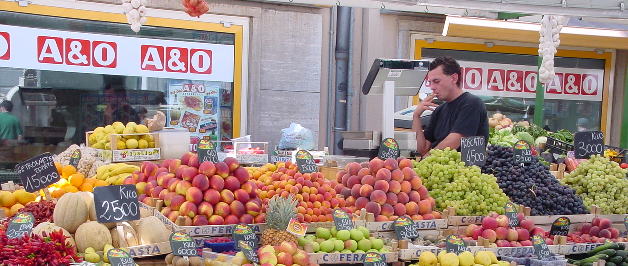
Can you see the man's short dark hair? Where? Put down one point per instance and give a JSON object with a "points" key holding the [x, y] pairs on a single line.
{"points": [[450, 66], [7, 105]]}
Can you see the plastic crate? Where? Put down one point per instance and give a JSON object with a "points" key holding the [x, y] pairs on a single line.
{"points": [[220, 247], [558, 261]]}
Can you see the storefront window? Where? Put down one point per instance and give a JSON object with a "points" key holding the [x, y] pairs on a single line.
{"points": [[178, 72]]}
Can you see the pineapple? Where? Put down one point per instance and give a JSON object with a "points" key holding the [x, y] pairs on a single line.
{"points": [[278, 214]]}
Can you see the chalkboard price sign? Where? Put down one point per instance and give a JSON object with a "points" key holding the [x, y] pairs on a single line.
{"points": [[588, 143], [557, 146], [305, 162], [207, 152], [522, 152], [540, 248], [389, 148], [37, 172], [342, 220], [119, 257], [374, 259], [511, 212], [560, 227], [20, 225], [243, 232], [249, 253], [182, 244], [473, 150], [75, 158], [455, 244], [116, 204], [405, 228]]}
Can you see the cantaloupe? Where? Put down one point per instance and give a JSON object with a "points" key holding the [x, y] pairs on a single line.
{"points": [[70, 212], [151, 230], [92, 234], [47, 227]]}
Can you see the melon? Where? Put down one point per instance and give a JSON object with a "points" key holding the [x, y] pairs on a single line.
{"points": [[47, 227], [70, 212], [151, 230], [89, 200], [129, 235], [92, 235]]}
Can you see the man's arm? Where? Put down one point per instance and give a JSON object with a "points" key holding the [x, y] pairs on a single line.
{"points": [[452, 141], [422, 144]]}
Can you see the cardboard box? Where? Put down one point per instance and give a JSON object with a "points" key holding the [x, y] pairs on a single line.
{"points": [[127, 155]]}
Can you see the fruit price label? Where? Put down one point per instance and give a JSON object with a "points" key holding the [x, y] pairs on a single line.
{"points": [[389, 148], [297, 228], [207, 152], [522, 152], [20, 225], [455, 244], [374, 259], [540, 248], [38, 172], [557, 146], [119, 257], [511, 212], [75, 158], [182, 244], [405, 228], [249, 253], [116, 203], [243, 232], [588, 143], [342, 221], [473, 150], [305, 162], [560, 227]]}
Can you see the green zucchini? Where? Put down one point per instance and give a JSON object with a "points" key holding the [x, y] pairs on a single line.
{"points": [[610, 252], [616, 259], [610, 264], [603, 247], [622, 253]]}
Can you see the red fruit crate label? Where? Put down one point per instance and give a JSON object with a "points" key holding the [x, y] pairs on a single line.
{"points": [[297, 228]]}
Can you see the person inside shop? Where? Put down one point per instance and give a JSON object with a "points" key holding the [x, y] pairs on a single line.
{"points": [[118, 106], [462, 115], [10, 128]]}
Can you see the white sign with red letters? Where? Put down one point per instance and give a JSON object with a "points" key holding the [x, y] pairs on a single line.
{"points": [[32, 48], [519, 81]]}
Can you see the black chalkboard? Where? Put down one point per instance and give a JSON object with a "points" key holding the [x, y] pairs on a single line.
{"points": [[182, 244], [588, 143], [510, 211], [116, 203], [207, 152], [540, 248], [405, 228], [75, 158], [20, 225], [37, 172], [473, 150], [560, 227], [557, 146], [522, 152], [374, 259], [243, 232], [249, 253], [119, 257], [455, 244], [342, 220], [389, 148], [305, 162]]}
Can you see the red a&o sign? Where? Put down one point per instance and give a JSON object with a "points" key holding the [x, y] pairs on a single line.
{"points": [[77, 52], [176, 59]]}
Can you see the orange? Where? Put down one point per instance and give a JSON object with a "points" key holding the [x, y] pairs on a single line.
{"points": [[7, 199], [86, 187], [15, 208], [59, 167], [67, 171], [100, 183], [70, 189], [90, 181], [77, 179], [57, 193]]}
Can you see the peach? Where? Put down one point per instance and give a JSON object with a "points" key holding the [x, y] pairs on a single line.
{"points": [[140, 187], [423, 192], [381, 185], [368, 180], [200, 220], [477, 232], [394, 186], [223, 209], [241, 174], [412, 208], [502, 220], [151, 179], [300, 258], [366, 190], [148, 168], [605, 223], [237, 208], [428, 216], [403, 198], [189, 173], [247, 219], [352, 180], [373, 208], [253, 208], [222, 169], [216, 182], [241, 195], [232, 163], [173, 215], [227, 196], [391, 164], [345, 179], [179, 171], [502, 233], [490, 235], [186, 157], [375, 165], [540, 231], [163, 193], [168, 198], [339, 175], [193, 161], [149, 187], [512, 235], [526, 243], [207, 168], [194, 195], [406, 187], [614, 232], [232, 219], [522, 234], [399, 209], [363, 172], [165, 211], [216, 220], [182, 187], [288, 247], [425, 207], [378, 196], [173, 165], [232, 183], [405, 163], [387, 210], [414, 196], [396, 175], [468, 231], [172, 184], [361, 202], [408, 173], [200, 181], [502, 243], [391, 198], [261, 218], [416, 183], [160, 170], [383, 174], [489, 223], [596, 221], [188, 209], [212, 196], [155, 191], [163, 178], [205, 208], [353, 168]]}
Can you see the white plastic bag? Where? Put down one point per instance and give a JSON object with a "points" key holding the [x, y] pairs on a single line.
{"points": [[296, 137]]}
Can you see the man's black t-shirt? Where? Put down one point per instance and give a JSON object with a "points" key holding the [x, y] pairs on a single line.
{"points": [[465, 115]]}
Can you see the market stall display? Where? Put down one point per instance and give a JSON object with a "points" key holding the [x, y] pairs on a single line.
{"points": [[466, 258]]}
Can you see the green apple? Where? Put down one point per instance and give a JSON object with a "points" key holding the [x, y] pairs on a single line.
{"points": [[323, 233], [377, 243], [356, 234], [364, 244], [343, 235]]}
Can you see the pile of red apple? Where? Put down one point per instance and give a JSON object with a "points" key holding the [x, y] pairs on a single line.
{"points": [[495, 229], [598, 231], [388, 189], [204, 194]]}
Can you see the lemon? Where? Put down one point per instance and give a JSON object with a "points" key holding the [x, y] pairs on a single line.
{"points": [[23, 197], [449, 259], [117, 124], [141, 129], [107, 146], [99, 130], [482, 257], [121, 145], [131, 144], [151, 144], [142, 144], [119, 128], [128, 130], [131, 125], [109, 129], [148, 137], [100, 144], [427, 259], [466, 258]]}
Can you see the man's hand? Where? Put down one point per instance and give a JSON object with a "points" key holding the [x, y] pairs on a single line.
{"points": [[425, 105]]}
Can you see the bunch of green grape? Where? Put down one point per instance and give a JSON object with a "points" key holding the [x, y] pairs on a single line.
{"points": [[601, 182], [453, 184]]}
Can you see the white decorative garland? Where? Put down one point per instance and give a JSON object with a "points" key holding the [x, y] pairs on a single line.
{"points": [[135, 11], [549, 40]]}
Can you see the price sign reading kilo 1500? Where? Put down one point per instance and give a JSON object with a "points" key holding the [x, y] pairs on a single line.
{"points": [[473, 150], [116, 203], [588, 143]]}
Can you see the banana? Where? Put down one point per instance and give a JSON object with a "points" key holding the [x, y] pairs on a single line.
{"points": [[124, 169]]}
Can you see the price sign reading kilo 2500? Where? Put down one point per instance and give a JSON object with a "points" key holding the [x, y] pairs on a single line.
{"points": [[588, 143], [473, 150], [116, 204]]}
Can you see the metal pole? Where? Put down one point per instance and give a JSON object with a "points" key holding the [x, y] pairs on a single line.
{"points": [[624, 120], [540, 97], [343, 37]]}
